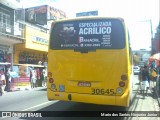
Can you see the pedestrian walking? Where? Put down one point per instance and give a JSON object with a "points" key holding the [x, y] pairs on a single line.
{"points": [[44, 77], [144, 78], [8, 79], [33, 79], [2, 82], [30, 71]]}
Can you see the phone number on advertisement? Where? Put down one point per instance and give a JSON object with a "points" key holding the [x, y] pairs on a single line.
{"points": [[90, 45]]}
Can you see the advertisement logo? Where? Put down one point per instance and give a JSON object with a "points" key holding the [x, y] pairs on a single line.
{"points": [[82, 40]]}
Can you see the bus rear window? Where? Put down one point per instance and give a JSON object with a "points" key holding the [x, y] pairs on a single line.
{"points": [[88, 34]]}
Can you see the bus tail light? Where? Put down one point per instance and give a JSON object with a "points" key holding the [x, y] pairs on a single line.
{"points": [[121, 84], [49, 74], [123, 77], [51, 80]]}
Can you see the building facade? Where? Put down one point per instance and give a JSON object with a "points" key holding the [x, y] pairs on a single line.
{"points": [[24, 40], [34, 49], [24, 33], [11, 32], [156, 41], [140, 57]]}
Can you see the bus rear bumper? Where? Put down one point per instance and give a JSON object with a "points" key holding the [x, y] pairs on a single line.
{"points": [[88, 98]]}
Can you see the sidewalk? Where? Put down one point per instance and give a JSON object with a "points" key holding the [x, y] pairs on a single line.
{"points": [[30, 89], [152, 86], [156, 88], [157, 94], [147, 105], [39, 88], [150, 103], [135, 86]]}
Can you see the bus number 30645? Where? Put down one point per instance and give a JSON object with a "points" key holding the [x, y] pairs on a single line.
{"points": [[103, 91]]}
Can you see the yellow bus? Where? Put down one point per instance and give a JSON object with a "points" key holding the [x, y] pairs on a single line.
{"points": [[89, 61]]}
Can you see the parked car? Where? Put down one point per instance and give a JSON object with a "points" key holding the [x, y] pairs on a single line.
{"points": [[136, 70]]}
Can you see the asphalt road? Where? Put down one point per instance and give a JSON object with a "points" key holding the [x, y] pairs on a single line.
{"points": [[24, 100], [36, 100]]}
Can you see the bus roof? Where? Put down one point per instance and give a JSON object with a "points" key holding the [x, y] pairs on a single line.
{"points": [[87, 18]]}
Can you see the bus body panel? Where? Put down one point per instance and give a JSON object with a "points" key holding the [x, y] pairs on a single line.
{"points": [[100, 70], [88, 98], [90, 77]]}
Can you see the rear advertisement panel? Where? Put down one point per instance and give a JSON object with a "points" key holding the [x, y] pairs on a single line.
{"points": [[88, 34]]}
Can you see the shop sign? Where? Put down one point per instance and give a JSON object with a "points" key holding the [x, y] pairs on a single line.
{"points": [[55, 13], [36, 15], [90, 13], [39, 40]]}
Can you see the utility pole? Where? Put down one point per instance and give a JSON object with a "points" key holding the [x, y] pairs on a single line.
{"points": [[152, 49]]}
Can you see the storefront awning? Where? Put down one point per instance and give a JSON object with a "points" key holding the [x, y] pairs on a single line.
{"points": [[4, 63], [30, 65], [155, 57]]}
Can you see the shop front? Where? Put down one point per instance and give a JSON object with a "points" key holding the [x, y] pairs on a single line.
{"points": [[35, 48], [5, 56], [30, 57], [22, 76]]}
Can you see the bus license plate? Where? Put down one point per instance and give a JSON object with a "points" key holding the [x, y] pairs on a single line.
{"points": [[84, 84]]}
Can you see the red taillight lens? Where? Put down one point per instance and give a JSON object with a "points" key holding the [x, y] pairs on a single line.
{"points": [[123, 77], [51, 80], [49, 74], [121, 84]]}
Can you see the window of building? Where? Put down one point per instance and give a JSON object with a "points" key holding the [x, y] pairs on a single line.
{"points": [[5, 22]]}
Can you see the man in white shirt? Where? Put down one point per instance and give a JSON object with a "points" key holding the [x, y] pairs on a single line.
{"points": [[33, 79]]}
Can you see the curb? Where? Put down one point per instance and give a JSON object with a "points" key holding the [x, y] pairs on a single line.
{"points": [[38, 88]]}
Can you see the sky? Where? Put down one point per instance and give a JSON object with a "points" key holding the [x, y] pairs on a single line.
{"points": [[138, 14]]}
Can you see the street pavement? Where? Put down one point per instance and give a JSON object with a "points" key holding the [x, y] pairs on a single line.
{"points": [[36, 100]]}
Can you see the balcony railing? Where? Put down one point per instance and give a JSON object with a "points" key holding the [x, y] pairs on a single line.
{"points": [[13, 31]]}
